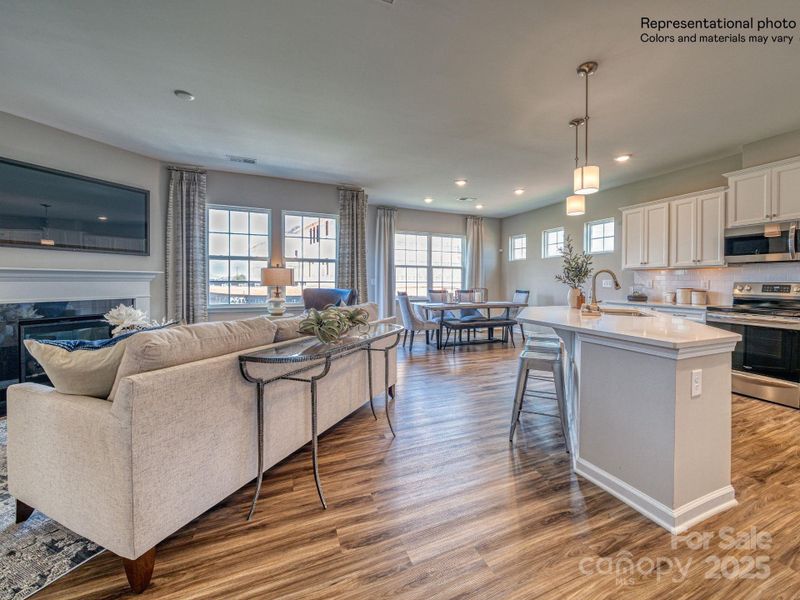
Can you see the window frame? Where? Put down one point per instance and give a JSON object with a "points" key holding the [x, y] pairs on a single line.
{"points": [[545, 245], [429, 266], [229, 257], [334, 261], [587, 231], [511, 238]]}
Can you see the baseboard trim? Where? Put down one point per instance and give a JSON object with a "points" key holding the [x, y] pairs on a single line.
{"points": [[675, 520]]}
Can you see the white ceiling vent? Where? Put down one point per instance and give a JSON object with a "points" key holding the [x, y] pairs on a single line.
{"points": [[241, 159], [467, 199]]}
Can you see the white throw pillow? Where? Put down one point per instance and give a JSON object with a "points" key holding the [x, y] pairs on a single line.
{"points": [[79, 367]]}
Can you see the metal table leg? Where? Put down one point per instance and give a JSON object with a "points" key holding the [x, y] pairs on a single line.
{"points": [[314, 444], [369, 378], [260, 420]]}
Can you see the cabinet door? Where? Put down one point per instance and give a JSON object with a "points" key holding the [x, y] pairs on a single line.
{"points": [[633, 239], [710, 230], [786, 192], [656, 235], [749, 201], [683, 228]]}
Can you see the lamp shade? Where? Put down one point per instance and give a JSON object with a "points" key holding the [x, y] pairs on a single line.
{"points": [[586, 180], [576, 205], [277, 276]]}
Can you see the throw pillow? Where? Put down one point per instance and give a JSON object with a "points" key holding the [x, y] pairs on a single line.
{"points": [[81, 367]]}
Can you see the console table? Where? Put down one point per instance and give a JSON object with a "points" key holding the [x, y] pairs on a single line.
{"points": [[310, 350]]}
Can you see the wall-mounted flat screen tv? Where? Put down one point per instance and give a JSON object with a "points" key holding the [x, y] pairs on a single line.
{"points": [[44, 208]]}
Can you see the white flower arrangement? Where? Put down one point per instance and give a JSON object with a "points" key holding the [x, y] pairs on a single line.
{"points": [[126, 319]]}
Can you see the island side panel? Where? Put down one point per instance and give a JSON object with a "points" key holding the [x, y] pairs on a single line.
{"points": [[703, 434], [627, 425]]}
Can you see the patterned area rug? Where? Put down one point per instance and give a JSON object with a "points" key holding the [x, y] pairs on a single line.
{"points": [[35, 553]]}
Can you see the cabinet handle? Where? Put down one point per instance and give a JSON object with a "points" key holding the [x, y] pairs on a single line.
{"points": [[774, 215]]}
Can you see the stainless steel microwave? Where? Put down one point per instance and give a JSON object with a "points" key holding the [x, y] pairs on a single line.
{"points": [[750, 245]]}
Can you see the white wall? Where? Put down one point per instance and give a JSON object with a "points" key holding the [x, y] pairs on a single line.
{"points": [[27, 141]]}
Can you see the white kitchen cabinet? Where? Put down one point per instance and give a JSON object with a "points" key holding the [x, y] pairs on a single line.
{"points": [[633, 238], [697, 227], [645, 235], [683, 232], [764, 194], [786, 192], [656, 218], [749, 199]]}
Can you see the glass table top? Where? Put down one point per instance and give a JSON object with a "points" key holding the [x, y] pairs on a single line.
{"points": [[310, 348]]}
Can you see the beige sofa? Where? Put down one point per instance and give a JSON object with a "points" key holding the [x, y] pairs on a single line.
{"points": [[172, 442]]}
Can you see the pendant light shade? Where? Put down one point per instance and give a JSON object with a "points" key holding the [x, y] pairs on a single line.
{"points": [[586, 179], [576, 205]]}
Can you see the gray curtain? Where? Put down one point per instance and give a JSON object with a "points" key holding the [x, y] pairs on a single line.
{"points": [[384, 260], [351, 262], [187, 256], [474, 276]]}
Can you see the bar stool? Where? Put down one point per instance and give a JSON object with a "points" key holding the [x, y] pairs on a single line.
{"points": [[543, 355]]}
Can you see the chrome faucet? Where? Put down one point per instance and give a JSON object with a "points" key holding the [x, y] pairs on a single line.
{"points": [[593, 307]]}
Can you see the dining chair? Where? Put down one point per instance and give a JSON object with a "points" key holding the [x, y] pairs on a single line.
{"points": [[411, 322], [510, 314]]}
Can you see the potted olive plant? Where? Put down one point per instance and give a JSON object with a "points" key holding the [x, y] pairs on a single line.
{"points": [[577, 269]]}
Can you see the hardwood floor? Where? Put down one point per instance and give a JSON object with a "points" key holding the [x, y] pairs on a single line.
{"points": [[449, 510]]}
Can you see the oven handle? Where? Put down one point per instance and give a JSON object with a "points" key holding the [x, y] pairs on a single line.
{"points": [[773, 323], [793, 240]]}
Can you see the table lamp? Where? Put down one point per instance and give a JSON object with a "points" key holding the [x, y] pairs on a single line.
{"points": [[277, 277]]}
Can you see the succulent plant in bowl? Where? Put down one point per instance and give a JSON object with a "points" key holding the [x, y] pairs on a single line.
{"points": [[331, 323]]}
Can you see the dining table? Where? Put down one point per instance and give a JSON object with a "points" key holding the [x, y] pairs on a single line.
{"points": [[442, 307]]}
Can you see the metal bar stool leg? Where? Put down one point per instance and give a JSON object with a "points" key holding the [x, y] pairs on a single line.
{"points": [[519, 395], [558, 381]]}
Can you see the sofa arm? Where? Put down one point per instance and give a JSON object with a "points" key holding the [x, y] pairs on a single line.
{"points": [[69, 457]]}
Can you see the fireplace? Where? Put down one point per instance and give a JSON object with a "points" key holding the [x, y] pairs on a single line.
{"points": [[77, 319]]}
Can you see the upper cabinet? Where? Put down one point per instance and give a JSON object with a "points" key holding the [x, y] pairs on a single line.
{"points": [[764, 194], [681, 232], [645, 234], [697, 226]]}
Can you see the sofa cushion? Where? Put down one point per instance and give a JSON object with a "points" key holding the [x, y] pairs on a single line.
{"points": [[287, 329], [81, 367], [154, 350]]}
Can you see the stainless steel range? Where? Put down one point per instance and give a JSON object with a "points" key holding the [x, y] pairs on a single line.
{"points": [[766, 363]]}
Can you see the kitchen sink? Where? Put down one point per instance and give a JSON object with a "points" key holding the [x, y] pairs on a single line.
{"points": [[625, 312]]}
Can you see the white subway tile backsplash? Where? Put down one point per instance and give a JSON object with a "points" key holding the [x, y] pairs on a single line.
{"points": [[718, 281]]}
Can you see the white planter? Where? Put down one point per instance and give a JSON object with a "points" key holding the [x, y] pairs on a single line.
{"points": [[573, 297]]}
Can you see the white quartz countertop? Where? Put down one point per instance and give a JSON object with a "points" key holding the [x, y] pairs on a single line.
{"points": [[659, 329]]}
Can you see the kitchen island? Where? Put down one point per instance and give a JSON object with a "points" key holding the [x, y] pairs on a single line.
{"points": [[648, 408]]}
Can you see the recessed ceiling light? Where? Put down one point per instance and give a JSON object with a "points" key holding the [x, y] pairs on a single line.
{"points": [[623, 157], [461, 182], [428, 200], [102, 218], [519, 191], [479, 206], [184, 95]]}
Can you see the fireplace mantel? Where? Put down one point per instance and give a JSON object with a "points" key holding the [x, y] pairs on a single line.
{"points": [[19, 285]]}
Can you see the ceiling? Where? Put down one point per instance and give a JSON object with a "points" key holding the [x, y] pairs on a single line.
{"points": [[401, 98]]}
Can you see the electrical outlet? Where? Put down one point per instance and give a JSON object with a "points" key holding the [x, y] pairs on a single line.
{"points": [[607, 283], [697, 382]]}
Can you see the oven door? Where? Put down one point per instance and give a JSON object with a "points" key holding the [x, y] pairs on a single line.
{"points": [[766, 363]]}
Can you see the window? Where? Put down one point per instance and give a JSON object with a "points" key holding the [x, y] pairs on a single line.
{"points": [[309, 247], [518, 247], [552, 242], [238, 248], [424, 261], [599, 236]]}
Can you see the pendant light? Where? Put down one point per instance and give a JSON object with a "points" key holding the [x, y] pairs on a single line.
{"points": [[586, 179], [576, 204]]}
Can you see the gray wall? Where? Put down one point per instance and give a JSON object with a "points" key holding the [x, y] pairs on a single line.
{"points": [[537, 274], [27, 141]]}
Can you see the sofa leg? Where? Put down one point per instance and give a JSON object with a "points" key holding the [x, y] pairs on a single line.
{"points": [[23, 512], [140, 570]]}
